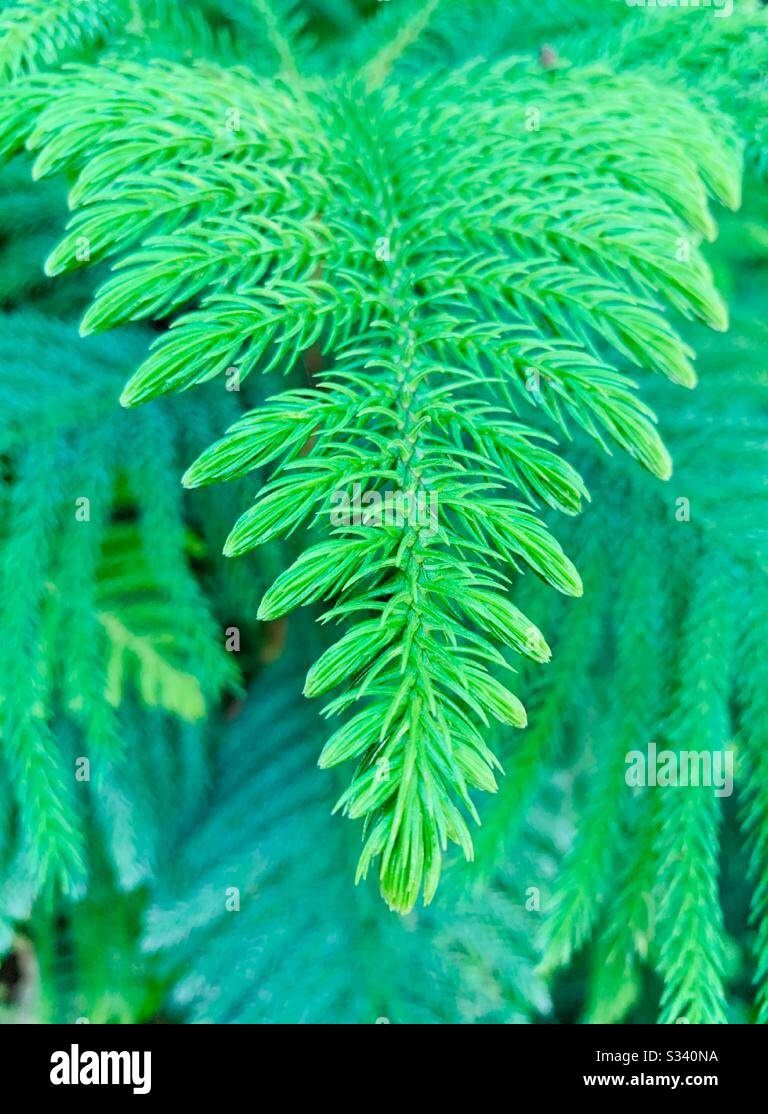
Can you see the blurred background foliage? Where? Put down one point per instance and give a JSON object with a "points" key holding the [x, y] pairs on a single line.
{"points": [[201, 876]]}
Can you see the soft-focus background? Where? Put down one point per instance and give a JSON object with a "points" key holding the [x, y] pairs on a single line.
{"points": [[214, 884]]}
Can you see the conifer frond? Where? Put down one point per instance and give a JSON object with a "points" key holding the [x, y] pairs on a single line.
{"points": [[719, 51], [36, 33], [691, 946], [753, 662], [454, 273], [588, 874], [142, 630], [82, 595], [679, 671]]}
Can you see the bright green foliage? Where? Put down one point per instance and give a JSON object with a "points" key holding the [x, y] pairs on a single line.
{"points": [[97, 596], [381, 223], [33, 35], [719, 56], [676, 661], [464, 231]]}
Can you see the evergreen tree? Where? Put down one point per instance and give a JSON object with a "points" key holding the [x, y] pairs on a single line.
{"points": [[465, 267]]}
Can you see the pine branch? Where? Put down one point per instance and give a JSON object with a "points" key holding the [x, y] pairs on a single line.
{"points": [[587, 873], [753, 662], [425, 330], [627, 934], [82, 595], [35, 33], [377, 69]]}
